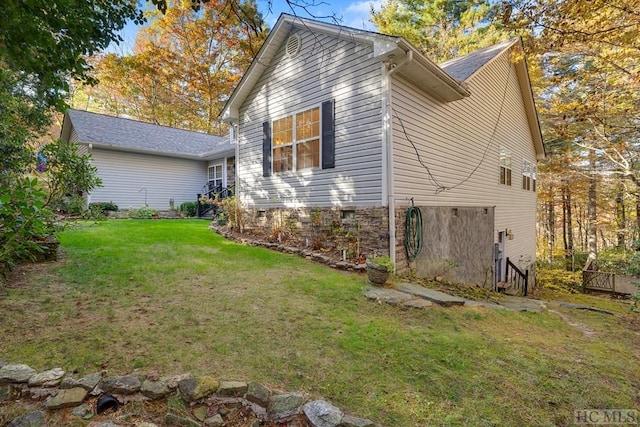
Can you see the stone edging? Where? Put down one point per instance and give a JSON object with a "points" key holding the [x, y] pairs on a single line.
{"points": [[305, 253], [58, 391]]}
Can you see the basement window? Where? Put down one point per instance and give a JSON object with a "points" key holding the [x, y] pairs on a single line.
{"points": [[347, 214]]}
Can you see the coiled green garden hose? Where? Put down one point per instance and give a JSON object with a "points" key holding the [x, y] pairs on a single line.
{"points": [[413, 232]]}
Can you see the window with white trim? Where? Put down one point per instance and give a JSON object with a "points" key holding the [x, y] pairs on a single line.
{"points": [[528, 176], [296, 141], [215, 177], [505, 166]]}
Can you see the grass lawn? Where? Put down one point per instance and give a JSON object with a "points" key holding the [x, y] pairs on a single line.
{"points": [[170, 296]]}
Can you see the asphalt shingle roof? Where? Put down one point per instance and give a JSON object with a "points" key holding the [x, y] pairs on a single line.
{"points": [[132, 134], [463, 67]]}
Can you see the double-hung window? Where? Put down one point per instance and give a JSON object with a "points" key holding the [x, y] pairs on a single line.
{"points": [[304, 140], [215, 177], [296, 141], [505, 166], [528, 176]]}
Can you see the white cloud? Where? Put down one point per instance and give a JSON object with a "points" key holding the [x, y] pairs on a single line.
{"points": [[358, 14]]}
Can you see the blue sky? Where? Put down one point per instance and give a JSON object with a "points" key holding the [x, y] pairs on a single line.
{"points": [[349, 13]]}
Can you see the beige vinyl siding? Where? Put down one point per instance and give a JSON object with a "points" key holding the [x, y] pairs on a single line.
{"points": [[123, 174], [326, 68], [83, 149], [74, 136], [454, 139]]}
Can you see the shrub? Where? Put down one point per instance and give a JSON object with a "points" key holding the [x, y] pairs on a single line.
{"points": [[189, 208], [24, 220], [233, 212], [383, 261], [104, 207], [558, 278], [143, 212]]}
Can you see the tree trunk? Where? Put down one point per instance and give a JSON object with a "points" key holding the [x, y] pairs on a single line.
{"points": [[621, 220], [551, 231], [592, 230], [580, 222], [568, 211], [638, 208]]}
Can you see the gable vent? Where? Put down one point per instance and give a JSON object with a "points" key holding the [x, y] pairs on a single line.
{"points": [[293, 45]]}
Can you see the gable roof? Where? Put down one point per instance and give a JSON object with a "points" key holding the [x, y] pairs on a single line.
{"points": [[444, 82], [463, 67], [420, 69], [122, 134], [467, 66]]}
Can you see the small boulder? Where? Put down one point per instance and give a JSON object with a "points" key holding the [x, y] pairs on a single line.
{"points": [[154, 389], [215, 421], [232, 388], [31, 419], [322, 413], [81, 411], [197, 388], [88, 382], [257, 393], [172, 419], [127, 384], [17, 373], [200, 412], [285, 405], [6, 392], [349, 421], [67, 398], [50, 378]]}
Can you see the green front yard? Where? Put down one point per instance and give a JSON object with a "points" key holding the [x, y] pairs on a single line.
{"points": [[170, 296]]}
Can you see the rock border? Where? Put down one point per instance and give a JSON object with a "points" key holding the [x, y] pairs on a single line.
{"points": [[57, 390], [318, 257]]}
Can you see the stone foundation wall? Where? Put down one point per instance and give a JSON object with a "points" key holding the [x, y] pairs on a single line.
{"points": [[351, 233]]}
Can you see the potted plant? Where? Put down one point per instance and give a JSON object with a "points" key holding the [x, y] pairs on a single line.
{"points": [[378, 269]]}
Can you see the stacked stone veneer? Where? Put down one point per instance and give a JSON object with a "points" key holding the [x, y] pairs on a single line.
{"points": [[58, 390], [350, 231]]}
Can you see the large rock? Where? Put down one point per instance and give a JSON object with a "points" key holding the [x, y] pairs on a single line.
{"points": [[285, 405], [154, 389], [322, 413], [197, 388], [67, 398], [18, 373], [127, 384], [50, 378], [257, 393], [232, 388], [31, 419]]}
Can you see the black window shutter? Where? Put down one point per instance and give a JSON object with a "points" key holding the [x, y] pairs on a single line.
{"points": [[266, 149], [328, 136]]}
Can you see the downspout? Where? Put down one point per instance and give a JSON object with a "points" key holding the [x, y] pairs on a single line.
{"points": [[236, 181], [89, 151], [387, 104]]}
